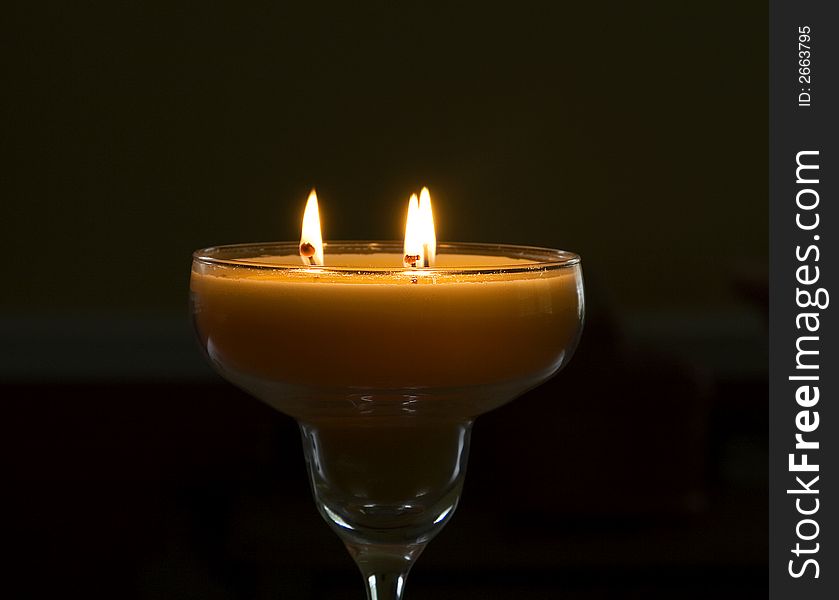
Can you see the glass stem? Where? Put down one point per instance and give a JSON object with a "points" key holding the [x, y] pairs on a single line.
{"points": [[386, 586], [385, 568]]}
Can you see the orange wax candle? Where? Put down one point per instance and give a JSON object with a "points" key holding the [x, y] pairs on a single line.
{"points": [[384, 353], [473, 320]]}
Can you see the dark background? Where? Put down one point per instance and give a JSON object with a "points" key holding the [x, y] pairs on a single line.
{"points": [[631, 133]]}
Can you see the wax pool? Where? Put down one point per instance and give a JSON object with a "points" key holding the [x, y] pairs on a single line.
{"points": [[387, 330]]}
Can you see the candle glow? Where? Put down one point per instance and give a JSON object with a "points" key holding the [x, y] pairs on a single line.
{"points": [[311, 242], [420, 238], [385, 431]]}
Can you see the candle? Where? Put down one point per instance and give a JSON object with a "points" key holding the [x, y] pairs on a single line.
{"points": [[385, 352], [471, 316], [476, 319]]}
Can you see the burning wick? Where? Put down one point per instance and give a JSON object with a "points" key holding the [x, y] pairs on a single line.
{"points": [[308, 251], [311, 241], [411, 260], [420, 246]]}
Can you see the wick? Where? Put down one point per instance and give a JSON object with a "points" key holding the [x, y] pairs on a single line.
{"points": [[411, 260], [307, 250]]}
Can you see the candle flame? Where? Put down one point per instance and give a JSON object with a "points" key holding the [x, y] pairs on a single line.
{"points": [[311, 242], [420, 239]]}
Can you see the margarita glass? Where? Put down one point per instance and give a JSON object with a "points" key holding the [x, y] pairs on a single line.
{"points": [[386, 367]]}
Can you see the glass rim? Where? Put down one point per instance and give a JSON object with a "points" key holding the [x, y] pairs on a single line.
{"points": [[544, 259]]}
